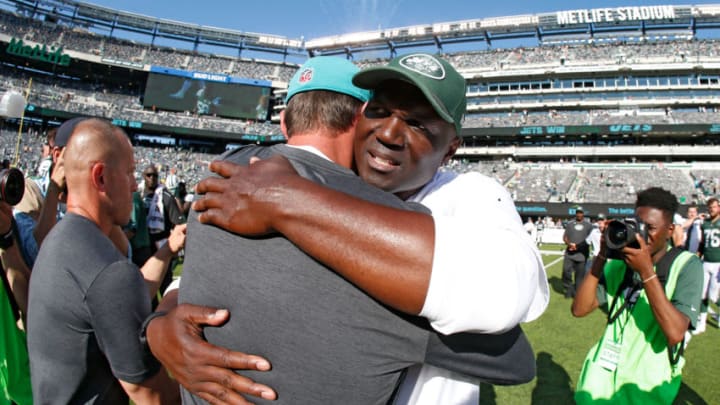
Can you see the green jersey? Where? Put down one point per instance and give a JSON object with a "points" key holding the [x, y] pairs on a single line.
{"points": [[711, 241]]}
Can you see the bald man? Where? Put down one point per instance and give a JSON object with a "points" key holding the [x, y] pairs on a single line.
{"points": [[87, 300]]}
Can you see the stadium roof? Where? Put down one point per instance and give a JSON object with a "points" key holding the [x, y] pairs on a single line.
{"points": [[637, 21], [90, 15], [584, 23]]}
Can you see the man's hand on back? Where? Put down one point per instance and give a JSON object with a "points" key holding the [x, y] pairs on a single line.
{"points": [[246, 199], [204, 369]]}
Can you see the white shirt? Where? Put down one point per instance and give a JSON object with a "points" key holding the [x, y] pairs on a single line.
{"points": [[594, 240], [531, 229], [487, 277], [171, 182]]}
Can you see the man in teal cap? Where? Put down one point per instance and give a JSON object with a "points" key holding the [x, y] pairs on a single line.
{"points": [[430, 131]]}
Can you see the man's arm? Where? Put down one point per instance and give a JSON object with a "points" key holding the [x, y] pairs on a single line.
{"points": [[158, 389], [571, 246], [17, 271], [18, 276], [673, 323], [387, 252], [155, 267], [678, 236], [117, 303], [48, 213], [585, 300]]}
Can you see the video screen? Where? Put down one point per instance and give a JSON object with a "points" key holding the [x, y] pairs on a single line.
{"points": [[205, 97]]}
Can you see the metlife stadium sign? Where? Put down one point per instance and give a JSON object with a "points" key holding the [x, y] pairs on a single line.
{"points": [[620, 14]]}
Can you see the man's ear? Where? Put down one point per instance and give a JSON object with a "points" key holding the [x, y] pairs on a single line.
{"points": [[97, 176], [55, 153], [452, 148], [283, 127]]}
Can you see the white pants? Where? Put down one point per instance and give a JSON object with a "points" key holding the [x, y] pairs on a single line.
{"points": [[711, 283]]}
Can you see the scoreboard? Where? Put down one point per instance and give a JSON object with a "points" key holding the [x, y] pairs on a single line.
{"points": [[207, 94]]}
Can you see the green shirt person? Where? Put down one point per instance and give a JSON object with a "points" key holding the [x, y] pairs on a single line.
{"points": [[14, 362], [653, 294]]}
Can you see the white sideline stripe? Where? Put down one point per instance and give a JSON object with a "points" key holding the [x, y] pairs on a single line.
{"points": [[553, 262]]}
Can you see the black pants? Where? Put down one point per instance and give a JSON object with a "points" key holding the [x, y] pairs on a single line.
{"points": [[573, 266]]}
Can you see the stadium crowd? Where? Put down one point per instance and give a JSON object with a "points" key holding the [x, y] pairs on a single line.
{"points": [[102, 101], [120, 50], [593, 117], [558, 181]]}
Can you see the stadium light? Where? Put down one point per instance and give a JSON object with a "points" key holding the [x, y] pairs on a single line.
{"points": [[12, 104]]}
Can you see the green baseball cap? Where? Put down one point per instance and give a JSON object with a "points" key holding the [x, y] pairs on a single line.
{"points": [[443, 86], [326, 73]]}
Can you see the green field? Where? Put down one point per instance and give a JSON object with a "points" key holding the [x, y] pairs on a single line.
{"points": [[562, 341]]}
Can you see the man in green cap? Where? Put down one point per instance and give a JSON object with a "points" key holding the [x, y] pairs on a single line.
{"points": [[575, 237], [401, 140]]}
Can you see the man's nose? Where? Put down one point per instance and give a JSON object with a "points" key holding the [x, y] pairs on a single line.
{"points": [[391, 132]]}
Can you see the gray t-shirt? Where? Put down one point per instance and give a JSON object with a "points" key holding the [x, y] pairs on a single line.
{"points": [[86, 308], [328, 341], [577, 232]]}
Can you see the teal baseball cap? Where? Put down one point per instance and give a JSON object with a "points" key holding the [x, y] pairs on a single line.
{"points": [[326, 73], [443, 86]]}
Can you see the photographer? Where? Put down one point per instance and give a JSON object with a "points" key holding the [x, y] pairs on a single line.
{"points": [[653, 292], [15, 373]]}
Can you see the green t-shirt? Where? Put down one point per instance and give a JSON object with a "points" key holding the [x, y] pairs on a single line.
{"points": [[14, 363], [686, 298]]}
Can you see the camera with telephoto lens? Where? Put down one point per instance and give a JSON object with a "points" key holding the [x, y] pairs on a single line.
{"points": [[12, 185], [621, 233]]}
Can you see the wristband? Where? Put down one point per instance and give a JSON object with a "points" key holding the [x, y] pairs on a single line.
{"points": [[7, 239], [650, 278], [146, 323]]}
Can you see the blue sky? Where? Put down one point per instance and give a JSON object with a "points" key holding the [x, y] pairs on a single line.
{"points": [[316, 18]]}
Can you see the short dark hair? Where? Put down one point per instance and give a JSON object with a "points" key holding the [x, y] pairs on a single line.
{"points": [[659, 198], [711, 200], [150, 168], [312, 110], [51, 137]]}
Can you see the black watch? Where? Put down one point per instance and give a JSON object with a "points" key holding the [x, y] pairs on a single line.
{"points": [[143, 328]]}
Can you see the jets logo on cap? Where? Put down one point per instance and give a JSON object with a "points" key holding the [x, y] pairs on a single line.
{"points": [[305, 76], [425, 65]]}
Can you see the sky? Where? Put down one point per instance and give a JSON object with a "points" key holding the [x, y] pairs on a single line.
{"points": [[318, 18]]}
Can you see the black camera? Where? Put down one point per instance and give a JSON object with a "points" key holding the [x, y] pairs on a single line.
{"points": [[12, 185], [621, 233]]}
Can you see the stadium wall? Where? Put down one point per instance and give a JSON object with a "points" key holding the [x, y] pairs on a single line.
{"points": [[565, 210]]}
